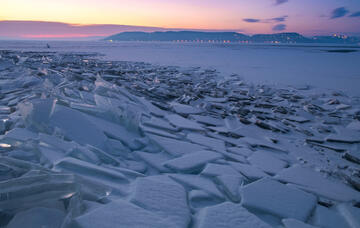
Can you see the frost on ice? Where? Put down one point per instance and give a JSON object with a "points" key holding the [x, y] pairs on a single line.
{"points": [[92, 143]]}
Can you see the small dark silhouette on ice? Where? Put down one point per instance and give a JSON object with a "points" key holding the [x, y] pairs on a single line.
{"points": [[47, 45]]}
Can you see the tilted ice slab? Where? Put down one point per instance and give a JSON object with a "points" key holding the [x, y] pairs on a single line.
{"points": [[214, 144], [76, 127], [272, 197], [183, 123], [106, 176], [266, 162], [312, 181], [176, 147], [192, 162]]}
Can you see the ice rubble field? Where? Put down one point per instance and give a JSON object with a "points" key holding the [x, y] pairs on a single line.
{"points": [[256, 63], [94, 143]]}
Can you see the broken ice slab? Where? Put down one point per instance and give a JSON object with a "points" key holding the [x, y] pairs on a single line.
{"points": [[262, 143], [298, 119], [327, 146], [267, 162], [352, 156], [19, 167], [183, 123], [199, 199], [152, 108], [54, 142], [118, 132], [355, 125], [198, 182], [185, 109], [230, 185], [228, 215], [88, 171], [38, 217], [120, 213], [343, 107], [312, 181], [167, 199], [175, 147], [51, 155], [17, 135], [326, 217], [212, 143], [160, 124], [269, 196], [150, 130], [4, 110], [75, 126], [193, 162], [30, 191], [213, 170], [293, 223], [250, 172], [350, 213], [344, 136], [243, 151], [208, 120], [154, 160], [36, 114]]}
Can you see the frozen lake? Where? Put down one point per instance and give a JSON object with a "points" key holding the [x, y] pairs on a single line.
{"points": [[281, 65]]}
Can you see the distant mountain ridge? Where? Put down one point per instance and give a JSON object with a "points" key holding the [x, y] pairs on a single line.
{"points": [[195, 36]]}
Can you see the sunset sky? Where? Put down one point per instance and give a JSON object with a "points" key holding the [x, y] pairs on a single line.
{"points": [[22, 18]]}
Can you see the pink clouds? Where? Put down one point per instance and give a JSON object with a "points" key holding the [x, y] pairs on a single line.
{"points": [[57, 30]]}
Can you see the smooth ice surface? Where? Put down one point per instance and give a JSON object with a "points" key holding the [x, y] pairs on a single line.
{"points": [[272, 197]]}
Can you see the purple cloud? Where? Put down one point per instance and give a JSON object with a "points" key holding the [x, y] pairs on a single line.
{"points": [[279, 19], [271, 20], [251, 20], [339, 12], [279, 27], [279, 2], [356, 14]]}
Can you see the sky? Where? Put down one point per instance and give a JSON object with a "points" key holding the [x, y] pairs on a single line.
{"points": [[96, 18]]}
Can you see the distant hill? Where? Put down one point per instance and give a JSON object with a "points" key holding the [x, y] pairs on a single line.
{"points": [[179, 36], [194, 36]]}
